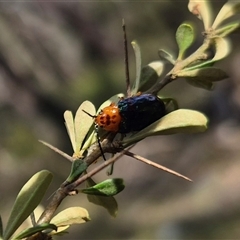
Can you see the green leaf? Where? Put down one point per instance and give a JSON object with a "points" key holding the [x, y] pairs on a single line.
{"points": [[229, 9], [164, 55], [69, 123], [138, 61], [210, 74], [78, 167], [27, 200], [150, 74], [69, 216], [82, 123], [39, 228], [109, 203], [184, 38], [170, 104], [79, 126], [179, 121], [202, 10], [90, 139], [227, 29], [222, 49], [109, 187], [196, 82]]}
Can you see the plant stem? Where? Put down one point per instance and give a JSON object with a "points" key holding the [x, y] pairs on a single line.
{"points": [[65, 190], [180, 65]]}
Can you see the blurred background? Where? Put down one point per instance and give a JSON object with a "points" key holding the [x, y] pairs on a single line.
{"points": [[55, 55]]}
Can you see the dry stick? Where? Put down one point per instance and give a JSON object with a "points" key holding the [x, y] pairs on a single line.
{"points": [[126, 59], [142, 159], [71, 159]]}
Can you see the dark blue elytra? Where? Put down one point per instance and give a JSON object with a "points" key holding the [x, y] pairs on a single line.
{"points": [[140, 111]]}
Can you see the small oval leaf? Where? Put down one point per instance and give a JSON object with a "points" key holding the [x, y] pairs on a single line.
{"points": [[82, 123], [184, 38], [39, 228], [27, 200], [226, 30], [150, 74], [109, 203], [69, 123], [78, 167], [109, 187], [222, 48], [202, 10], [196, 82], [179, 121], [164, 55], [69, 216], [138, 61], [211, 74], [229, 9], [171, 104], [90, 140]]}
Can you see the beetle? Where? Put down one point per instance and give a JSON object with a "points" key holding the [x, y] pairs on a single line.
{"points": [[131, 114]]}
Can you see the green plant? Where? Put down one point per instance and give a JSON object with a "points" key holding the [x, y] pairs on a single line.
{"points": [[198, 70]]}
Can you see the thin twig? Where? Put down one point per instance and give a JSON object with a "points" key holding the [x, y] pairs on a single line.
{"points": [[71, 159], [180, 65], [160, 85], [126, 59], [63, 192], [149, 162]]}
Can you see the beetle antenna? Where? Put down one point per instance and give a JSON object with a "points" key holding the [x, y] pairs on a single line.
{"points": [[99, 142], [126, 59], [93, 116]]}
